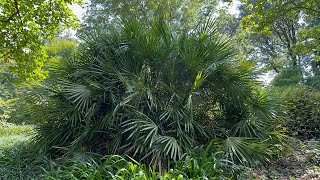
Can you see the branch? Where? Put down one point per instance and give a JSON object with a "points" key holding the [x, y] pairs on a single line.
{"points": [[306, 8], [14, 14], [10, 18], [17, 8], [283, 12], [16, 4]]}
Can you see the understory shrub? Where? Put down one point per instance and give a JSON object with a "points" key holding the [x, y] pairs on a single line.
{"points": [[142, 90], [22, 161], [313, 81], [301, 112], [288, 76]]}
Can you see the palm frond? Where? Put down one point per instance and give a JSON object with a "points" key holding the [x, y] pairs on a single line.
{"points": [[244, 150], [77, 94], [169, 146]]}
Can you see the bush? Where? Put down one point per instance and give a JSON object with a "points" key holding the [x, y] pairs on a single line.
{"points": [[313, 81], [142, 90], [288, 76], [301, 112]]}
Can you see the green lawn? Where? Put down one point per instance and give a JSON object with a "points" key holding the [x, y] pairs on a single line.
{"points": [[16, 161], [11, 134]]}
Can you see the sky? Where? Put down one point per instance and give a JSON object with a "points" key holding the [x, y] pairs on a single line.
{"points": [[77, 10]]}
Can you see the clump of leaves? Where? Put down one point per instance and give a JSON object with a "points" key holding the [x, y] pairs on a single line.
{"points": [[301, 113], [25, 25], [288, 76]]}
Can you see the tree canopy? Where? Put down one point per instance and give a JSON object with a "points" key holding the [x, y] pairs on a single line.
{"points": [[180, 13], [25, 26], [287, 30]]}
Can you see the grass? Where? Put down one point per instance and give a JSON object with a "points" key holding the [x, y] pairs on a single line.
{"points": [[7, 129], [11, 134], [9, 141], [16, 161]]}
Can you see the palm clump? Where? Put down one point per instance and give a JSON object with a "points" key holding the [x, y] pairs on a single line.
{"points": [[143, 90]]}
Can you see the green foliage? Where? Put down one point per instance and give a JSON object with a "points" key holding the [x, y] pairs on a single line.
{"points": [[18, 159], [313, 81], [7, 129], [118, 168], [143, 90], [202, 165], [21, 162], [288, 76], [11, 134], [7, 89], [18, 98], [61, 47], [301, 115], [283, 31], [102, 13], [24, 26], [110, 167], [166, 91]]}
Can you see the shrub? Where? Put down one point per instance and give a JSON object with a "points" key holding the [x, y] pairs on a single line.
{"points": [[143, 90], [301, 112], [313, 81], [288, 76]]}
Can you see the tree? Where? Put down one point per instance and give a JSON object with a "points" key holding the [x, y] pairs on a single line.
{"points": [[280, 19], [19, 98], [180, 13], [273, 40], [24, 27]]}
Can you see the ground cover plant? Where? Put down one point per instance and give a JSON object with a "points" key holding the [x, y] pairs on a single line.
{"points": [[20, 160], [11, 134], [17, 161]]}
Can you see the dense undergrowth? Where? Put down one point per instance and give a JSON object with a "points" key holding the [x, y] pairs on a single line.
{"points": [[19, 160], [300, 112]]}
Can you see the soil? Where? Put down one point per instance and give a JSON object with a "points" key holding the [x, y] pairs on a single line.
{"points": [[302, 164]]}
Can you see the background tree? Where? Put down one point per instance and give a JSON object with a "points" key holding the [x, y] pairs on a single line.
{"points": [[18, 97], [24, 27], [290, 23], [181, 13]]}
